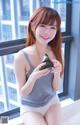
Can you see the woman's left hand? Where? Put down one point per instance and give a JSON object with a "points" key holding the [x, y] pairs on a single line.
{"points": [[57, 67]]}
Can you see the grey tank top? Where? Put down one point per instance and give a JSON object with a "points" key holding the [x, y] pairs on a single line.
{"points": [[42, 91]]}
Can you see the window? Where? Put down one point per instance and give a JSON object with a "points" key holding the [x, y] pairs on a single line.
{"points": [[12, 106], [10, 75], [63, 57], [34, 4], [6, 9], [24, 10], [14, 25], [9, 94], [1, 107], [16, 15], [6, 32], [23, 31], [0, 9], [0, 90], [9, 59], [42, 2], [12, 93]]}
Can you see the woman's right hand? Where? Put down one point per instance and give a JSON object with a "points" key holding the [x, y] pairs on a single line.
{"points": [[36, 74]]}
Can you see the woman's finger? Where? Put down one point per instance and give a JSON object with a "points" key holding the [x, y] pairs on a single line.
{"points": [[40, 65], [46, 73]]}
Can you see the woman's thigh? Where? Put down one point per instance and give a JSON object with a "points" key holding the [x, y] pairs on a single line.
{"points": [[53, 115], [33, 118]]}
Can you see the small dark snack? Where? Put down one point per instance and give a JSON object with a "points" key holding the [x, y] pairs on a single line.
{"points": [[48, 64]]}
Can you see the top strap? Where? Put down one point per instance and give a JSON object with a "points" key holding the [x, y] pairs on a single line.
{"points": [[26, 56]]}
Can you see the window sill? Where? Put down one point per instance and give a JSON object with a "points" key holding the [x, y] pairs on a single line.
{"points": [[67, 105]]}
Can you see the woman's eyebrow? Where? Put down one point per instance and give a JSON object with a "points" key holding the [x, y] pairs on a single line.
{"points": [[52, 26]]}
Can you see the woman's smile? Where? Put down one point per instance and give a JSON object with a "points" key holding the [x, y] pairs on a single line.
{"points": [[44, 37]]}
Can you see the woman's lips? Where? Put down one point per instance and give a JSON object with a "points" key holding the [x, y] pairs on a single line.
{"points": [[44, 37]]}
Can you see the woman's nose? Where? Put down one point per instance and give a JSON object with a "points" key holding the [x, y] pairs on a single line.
{"points": [[46, 31]]}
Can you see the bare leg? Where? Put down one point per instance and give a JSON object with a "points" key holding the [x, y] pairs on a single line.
{"points": [[53, 115], [33, 118]]}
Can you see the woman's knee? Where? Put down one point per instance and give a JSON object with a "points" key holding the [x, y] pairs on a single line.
{"points": [[33, 118]]}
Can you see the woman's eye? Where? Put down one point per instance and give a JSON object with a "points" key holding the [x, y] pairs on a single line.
{"points": [[53, 28], [42, 25]]}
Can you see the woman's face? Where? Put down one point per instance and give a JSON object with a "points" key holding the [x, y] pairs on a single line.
{"points": [[45, 33]]}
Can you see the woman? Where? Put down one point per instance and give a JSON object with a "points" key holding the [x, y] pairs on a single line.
{"points": [[40, 103]]}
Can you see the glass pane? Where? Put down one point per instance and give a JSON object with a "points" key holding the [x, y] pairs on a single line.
{"points": [[6, 32], [9, 95], [45, 2], [0, 9], [25, 10], [0, 89], [14, 16], [12, 93], [6, 9], [10, 75], [9, 59], [1, 107], [61, 82], [22, 32], [34, 4]]}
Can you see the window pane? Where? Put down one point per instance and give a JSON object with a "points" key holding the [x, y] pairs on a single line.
{"points": [[22, 32], [45, 2], [9, 94], [10, 75], [0, 88], [6, 9], [14, 16], [9, 59], [61, 82], [12, 93], [6, 32], [34, 4], [1, 107], [24, 10]]}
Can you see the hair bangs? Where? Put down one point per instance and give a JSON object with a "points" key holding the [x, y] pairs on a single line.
{"points": [[48, 18]]}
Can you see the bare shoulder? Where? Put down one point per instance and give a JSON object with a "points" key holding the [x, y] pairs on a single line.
{"points": [[20, 55], [29, 50], [20, 58]]}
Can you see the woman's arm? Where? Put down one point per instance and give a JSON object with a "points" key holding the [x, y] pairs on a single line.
{"points": [[25, 87], [56, 82], [57, 78]]}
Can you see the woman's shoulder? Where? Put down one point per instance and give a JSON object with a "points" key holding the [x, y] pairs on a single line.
{"points": [[28, 50], [20, 57]]}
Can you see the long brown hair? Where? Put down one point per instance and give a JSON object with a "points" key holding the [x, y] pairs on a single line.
{"points": [[46, 15]]}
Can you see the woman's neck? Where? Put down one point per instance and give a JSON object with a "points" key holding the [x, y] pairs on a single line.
{"points": [[41, 50]]}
